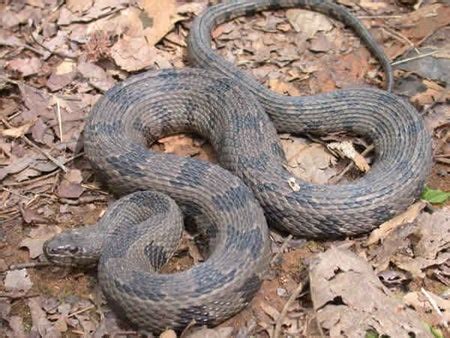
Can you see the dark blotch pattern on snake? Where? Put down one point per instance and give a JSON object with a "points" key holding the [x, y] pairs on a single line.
{"points": [[139, 233]]}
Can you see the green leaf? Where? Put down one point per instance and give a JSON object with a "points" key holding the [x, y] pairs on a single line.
{"points": [[436, 332], [435, 196], [372, 334]]}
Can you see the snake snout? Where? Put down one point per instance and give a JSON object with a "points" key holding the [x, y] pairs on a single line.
{"points": [[64, 251]]}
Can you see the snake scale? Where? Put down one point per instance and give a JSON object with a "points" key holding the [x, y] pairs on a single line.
{"points": [[229, 205]]}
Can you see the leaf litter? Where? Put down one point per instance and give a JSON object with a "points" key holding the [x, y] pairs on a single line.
{"points": [[57, 60]]}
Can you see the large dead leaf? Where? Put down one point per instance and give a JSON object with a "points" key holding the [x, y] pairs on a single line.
{"points": [[307, 22], [26, 67], [416, 246], [18, 281], [161, 16], [350, 299], [386, 228], [133, 54]]}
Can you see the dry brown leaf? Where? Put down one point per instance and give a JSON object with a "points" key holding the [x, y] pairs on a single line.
{"points": [[27, 67], [433, 245], [386, 228], [350, 300], [36, 239], [283, 87], [310, 162], [162, 16], [17, 281], [133, 54], [16, 166], [321, 43], [180, 145], [347, 150], [424, 21], [97, 77], [307, 22]]}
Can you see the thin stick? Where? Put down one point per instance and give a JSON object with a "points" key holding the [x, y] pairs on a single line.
{"points": [[27, 265], [87, 308], [379, 17], [337, 178], [420, 56], [283, 313], [58, 115], [435, 306]]}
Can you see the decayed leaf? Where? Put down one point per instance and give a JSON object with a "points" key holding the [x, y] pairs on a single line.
{"points": [[26, 66], [70, 186], [433, 247], [347, 150], [17, 281], [37, 237], [41, 325], [386, 228], [310, 162], [350, 299], [162, 15], [307, 22]]}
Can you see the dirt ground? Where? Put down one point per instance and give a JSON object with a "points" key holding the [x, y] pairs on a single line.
{"points": [[58, 57]]}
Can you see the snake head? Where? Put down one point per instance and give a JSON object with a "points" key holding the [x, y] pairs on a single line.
{"points": [[72, 248]]}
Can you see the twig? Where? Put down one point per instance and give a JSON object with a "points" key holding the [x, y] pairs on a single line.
{"points": [[283, 313], [58, 115], [15, 296], [400, 37], [282, 248], [27, 265], [379, 17], [87, 308], [17, 194], [337, 178], [31, 143], [420, 56], [435, 306]]}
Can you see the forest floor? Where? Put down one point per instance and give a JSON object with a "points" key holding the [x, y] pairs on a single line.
{"points": [[58, 57]]}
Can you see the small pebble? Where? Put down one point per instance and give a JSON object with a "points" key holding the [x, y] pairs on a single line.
{"points": [[281, 292]]}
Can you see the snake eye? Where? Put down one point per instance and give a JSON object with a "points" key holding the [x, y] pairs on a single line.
{"points": [[73, 249]]}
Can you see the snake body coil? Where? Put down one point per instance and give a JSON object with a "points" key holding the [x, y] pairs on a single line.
{"points": [[226, 106]]}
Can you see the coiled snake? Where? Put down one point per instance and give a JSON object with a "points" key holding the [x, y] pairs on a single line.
{"points": [[140, 231]]}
